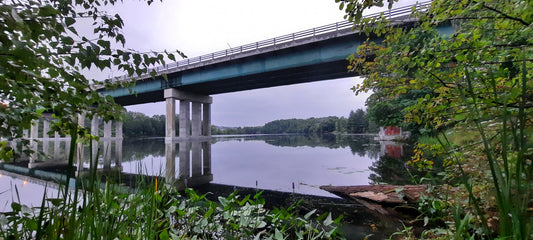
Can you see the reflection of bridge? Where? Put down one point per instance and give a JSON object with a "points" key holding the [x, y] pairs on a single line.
{"points": [[187, 164], [311, 55], [194, 168]]}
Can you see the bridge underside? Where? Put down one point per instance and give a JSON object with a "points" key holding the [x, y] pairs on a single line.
{"points": [[304, 74]]}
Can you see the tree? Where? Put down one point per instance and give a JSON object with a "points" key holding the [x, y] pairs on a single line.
{"points": [[357, 121], [44, 58], [480, 78]]}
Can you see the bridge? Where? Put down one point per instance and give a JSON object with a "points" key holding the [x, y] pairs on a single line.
{"points": [[306, 56]]}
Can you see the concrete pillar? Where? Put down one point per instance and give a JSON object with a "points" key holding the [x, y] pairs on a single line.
{"points": [[79, 147], [46, 128], [118, 129], [118, 150], [206, 123], [170, 166], [46, 137], [107, 129], [185, 119], [206, 150], [57, 148], [33, 154], [95, 123], [184, 158], [106, 150], [34, 130], [196, 119], [67, 149], [170, 118], [196, 156], [25, 133]]}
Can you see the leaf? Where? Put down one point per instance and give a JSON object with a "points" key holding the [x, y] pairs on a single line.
{"points": [[278, 235], [15, 206], [459, 117], [328, 221], [47, 11], [309, 214], [69, 21], [171, 57], [223, 201], [55, 201], [67, 40], [164, 235]]}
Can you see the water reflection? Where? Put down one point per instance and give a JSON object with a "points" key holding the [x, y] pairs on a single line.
{"points": [[290, 163], [391, 166], [194, 163]]}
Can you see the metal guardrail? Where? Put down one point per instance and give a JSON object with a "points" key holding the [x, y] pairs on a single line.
{"points": [[330, 28]]}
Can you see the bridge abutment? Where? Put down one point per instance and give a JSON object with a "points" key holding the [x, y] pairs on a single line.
{"points": [[194, 115]]}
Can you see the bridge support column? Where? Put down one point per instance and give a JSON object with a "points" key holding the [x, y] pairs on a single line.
{"points": [[196, 119], [185, 119], [206, 154], [46, 127], [206, 123], [107, 144], [118, 129], [46, 136], [170, 166], [79, 147], [95, 123], [191, 126], [34, 129], [170, 131]]}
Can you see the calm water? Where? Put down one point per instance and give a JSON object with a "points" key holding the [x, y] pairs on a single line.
{"points": [[284, 163], [271, 162]]}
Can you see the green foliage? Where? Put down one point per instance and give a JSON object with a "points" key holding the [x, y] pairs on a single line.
{"points": [[357, 122], [161, 213], [307, 126], [44, 58], [479, 80], [140, 125]]}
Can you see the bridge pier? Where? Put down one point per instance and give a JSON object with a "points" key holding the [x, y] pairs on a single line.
{"points": [[194, 117]]}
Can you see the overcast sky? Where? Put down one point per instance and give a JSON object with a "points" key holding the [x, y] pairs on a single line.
{"points": [[200, 27]]}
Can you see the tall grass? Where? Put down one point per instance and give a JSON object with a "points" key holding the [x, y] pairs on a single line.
{"points": [[506, 151]]}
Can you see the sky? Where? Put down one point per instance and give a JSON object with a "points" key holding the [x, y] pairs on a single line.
{"points": [[200, 27]]}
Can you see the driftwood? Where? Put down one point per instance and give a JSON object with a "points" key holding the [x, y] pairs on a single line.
{"points": [[379, 197]]}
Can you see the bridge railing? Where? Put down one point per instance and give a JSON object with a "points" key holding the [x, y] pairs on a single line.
{"points": [[396, 13]]}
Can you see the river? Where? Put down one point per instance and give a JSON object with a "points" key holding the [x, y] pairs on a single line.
{"points": [[288, 163]]}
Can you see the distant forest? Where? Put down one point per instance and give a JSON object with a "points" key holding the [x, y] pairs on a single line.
{"points": [[139, 125]]}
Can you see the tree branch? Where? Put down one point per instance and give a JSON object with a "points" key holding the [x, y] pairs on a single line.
{"points": [[506, 15]]}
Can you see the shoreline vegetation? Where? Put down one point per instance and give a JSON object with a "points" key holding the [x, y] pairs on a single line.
{"points": [[466, 95], [139, 125]]}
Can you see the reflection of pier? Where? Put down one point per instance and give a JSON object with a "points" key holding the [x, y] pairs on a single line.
{"points": [[194, 163], [391, 149], [49, 149]]}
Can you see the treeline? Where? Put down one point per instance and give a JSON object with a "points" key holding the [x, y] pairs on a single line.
{"points": [[139, 125], [357, 122]]}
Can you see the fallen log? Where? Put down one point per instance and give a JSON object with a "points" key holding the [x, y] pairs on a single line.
{"points": [[382, 194]]}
